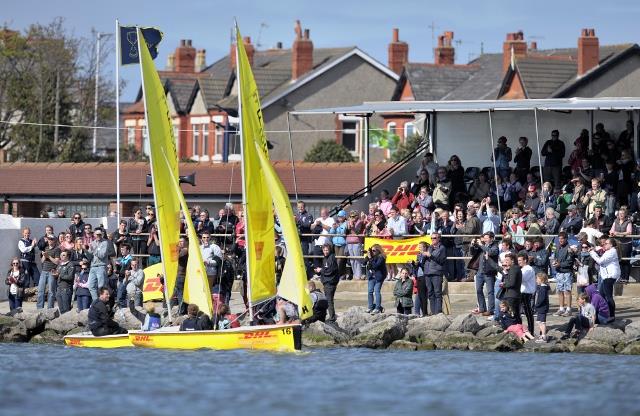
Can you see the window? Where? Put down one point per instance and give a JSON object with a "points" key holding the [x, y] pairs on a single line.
{"points": [[205, 139], [196, 139], [349, 135], [219, 143], [409, 130], [176, 136], [88, 210], [391, 127], [146, 149], [131, 136]]}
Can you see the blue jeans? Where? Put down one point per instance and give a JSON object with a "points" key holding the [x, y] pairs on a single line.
{"points": [[84, 302], [14, 302], [496, 288], [46, 278], [355, 250], [33, 274], [97, 279], [121, 294], [372, 287], [481, 279], [434, 289]]}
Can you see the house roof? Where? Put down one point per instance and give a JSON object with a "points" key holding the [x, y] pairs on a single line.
{"points": [[32, 180], [180, 85]]}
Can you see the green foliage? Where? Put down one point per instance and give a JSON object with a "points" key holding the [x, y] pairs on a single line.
{"points": [[383, 139], [47, 78], [328, 151], [408, 147]]}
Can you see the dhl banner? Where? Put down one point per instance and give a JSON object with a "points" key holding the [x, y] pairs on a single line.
{"points": [[398, 251], [152, 288]]}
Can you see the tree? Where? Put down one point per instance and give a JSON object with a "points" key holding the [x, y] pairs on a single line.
{"points": [[409, 147], [47, 82], [328, 151]]}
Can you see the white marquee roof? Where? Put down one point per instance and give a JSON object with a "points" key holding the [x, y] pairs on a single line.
{"points": [[555, 104]]}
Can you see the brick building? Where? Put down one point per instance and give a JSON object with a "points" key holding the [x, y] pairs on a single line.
{"points": [[203, 98]]}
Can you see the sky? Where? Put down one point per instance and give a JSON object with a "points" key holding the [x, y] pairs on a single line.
{"points": [[366, 24]]}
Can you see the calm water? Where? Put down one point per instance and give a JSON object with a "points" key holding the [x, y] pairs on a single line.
{"points": [[36, 379]]}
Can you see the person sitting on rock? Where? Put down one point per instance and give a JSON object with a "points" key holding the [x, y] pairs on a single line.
{"points": [[195, 321], [585, 319], [509, 322], [101, 321], [150, 321]]}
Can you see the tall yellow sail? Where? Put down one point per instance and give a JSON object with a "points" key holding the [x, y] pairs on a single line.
{"points": [[259, 223], [293, 283], [196, 284], [164, 165]]}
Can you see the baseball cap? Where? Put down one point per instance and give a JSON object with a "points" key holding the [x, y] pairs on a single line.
{"points": [[342, 213], [571, 207]]}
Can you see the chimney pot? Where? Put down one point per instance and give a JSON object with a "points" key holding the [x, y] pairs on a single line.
{"points": [[533, 46], [185, 57], [279, 45], [398, 52], [588, 51], [514, 42], [445, 53], [301, 53]]}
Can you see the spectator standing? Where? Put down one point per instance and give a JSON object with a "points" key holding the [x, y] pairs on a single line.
{"points": [[522, 158], [376, 263], [422, 181], [488, 216], [542, 304], [77, 225], [303, 221], [420, 265], [15, 281], [621, 229], [442, 189], [65, 273], [330, 278], [121, 235], [403, 197], [135, 280], [403, 291], [609, 272], [554, 152], [99, 249], [153, 246], [456, 176], [138, 226], [321, 226], [488, 253], [212, 256], [436, 258], [339, 241], [423, 201], [355, 230], [564, 261], [27, 248], [430, 166], [50, 257], [385, 203], [503, 156], [528, 288], [593, 197], [88, 236], [511, 282]]}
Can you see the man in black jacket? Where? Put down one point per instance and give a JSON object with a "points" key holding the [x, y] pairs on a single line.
{"points": [[101, 322], [196, 321], [487, 270], [329, 278], [436, 259], [511, 281]]}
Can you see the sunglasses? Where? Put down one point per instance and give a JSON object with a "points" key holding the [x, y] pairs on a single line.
{"points": [[15, 264], [76, 218], [205, 238]]}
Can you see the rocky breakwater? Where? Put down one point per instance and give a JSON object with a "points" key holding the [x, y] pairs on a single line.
{"points": [[356, 328], [49, 326]]}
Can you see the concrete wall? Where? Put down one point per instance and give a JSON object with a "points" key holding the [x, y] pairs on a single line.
{"points": [[11, 231], [349, 83], [467, 134]]}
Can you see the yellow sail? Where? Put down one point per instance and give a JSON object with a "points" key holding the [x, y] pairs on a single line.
{"points": [[293, 283], [259, 224], [196, 284], [164, 165]]}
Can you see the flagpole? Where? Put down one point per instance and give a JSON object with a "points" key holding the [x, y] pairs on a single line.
{"points": [[118, 120]]}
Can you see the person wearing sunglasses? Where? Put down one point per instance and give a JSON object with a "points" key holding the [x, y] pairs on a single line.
{"points": [[77, 225], [15, 284]]}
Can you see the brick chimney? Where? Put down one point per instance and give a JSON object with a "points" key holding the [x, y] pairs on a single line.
{"points": [[250, 49], [185, 57], [171, 62], [201, 60], [515, 42], [301, 53], [445, 53], [588, 51], [398, 53]]}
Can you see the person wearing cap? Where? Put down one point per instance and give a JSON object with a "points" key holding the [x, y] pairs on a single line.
{"points": [[61, 213], [532, 200], [502, 154], [595, 196], [572, 223], [487, 269], [553, 150], [355, 230], [339, 241], [99, 248]]}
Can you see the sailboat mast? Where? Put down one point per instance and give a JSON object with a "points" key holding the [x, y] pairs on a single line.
{"points": [[244, 182], [153, 178]]}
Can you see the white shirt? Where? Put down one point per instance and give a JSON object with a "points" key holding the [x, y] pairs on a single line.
{"points": [[592, 235], [609, 265], [528, 280], [208, 253], [328, 223], [397, 225]]}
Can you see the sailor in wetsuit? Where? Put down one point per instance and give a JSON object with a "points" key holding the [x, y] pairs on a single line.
{"points": [[195, 322], [100, 317]]}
